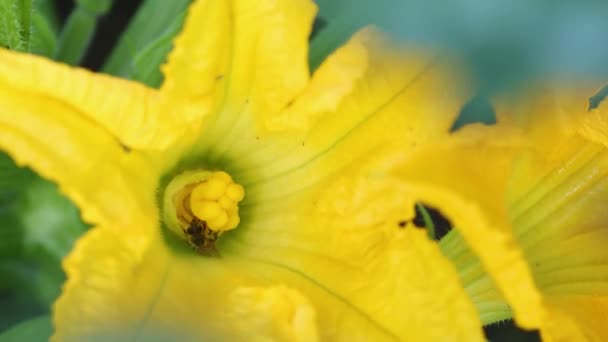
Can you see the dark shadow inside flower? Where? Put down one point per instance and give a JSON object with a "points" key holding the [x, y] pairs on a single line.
{"points": [[427, 215], [506, 331]]}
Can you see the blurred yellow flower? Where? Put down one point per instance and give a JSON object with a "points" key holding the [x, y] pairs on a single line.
{"points": [[545, 198], [290, 186]]}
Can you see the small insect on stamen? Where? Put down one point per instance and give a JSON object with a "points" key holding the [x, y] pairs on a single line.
{"points": [[202, 238], [194, 228]]}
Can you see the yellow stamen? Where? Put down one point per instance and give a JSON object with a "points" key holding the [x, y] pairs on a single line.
{"points": [[226, 202], [214, 201], [205, 199], [206, 210], [212, 189]]}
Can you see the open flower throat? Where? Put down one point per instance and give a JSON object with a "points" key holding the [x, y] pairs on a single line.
{"points": [[200, 205]]}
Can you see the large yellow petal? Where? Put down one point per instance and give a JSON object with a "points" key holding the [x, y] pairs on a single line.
{"points": [[128, 110], [107, 181], [332, 81], [335, 262], [241, 52], [369, 95], [371, 275], [577, 318], [557, 198], [197, 66], [402, 99], [563, 230], [466, 177], [123, 285], [554, 192], [310, 241]]}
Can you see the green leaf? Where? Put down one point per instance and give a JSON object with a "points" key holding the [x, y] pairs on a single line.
{"points": [[428, 221], [10, 238], [44, 39], [33, 330], [51, 224], [13, 180], [24, 8], [42, 231], [38, 227], [46, 9], [10, 25], [145, 44], [76, 36], [96, 7], [15, 24], [16, 307], [28, 26], [147, 63]]}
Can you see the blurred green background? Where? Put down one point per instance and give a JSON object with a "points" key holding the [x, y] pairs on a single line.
{"points": [[506, 44]]}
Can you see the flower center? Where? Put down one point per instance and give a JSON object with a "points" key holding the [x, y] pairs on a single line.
{"points": [[200, 205]]}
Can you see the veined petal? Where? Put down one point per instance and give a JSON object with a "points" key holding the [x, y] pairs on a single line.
{"points": [[92, 167], [404, 98], [127, 110], [413, 92], [557, 203], [123, 286], [344, 243], [337, 265], [466, 177], [555, 199], [245, 52], [373, 76], [561, 222]]}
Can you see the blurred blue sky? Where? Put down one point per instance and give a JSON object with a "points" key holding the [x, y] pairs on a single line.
{"points": [[504, 42]]}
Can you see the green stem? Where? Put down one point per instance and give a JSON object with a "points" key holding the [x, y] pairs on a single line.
{"points": [[26, 22], [428, 221], [10, 25], [79, 30]]}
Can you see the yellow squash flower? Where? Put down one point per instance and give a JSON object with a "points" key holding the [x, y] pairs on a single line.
{"points": [[247, 198], [544, 196]]}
